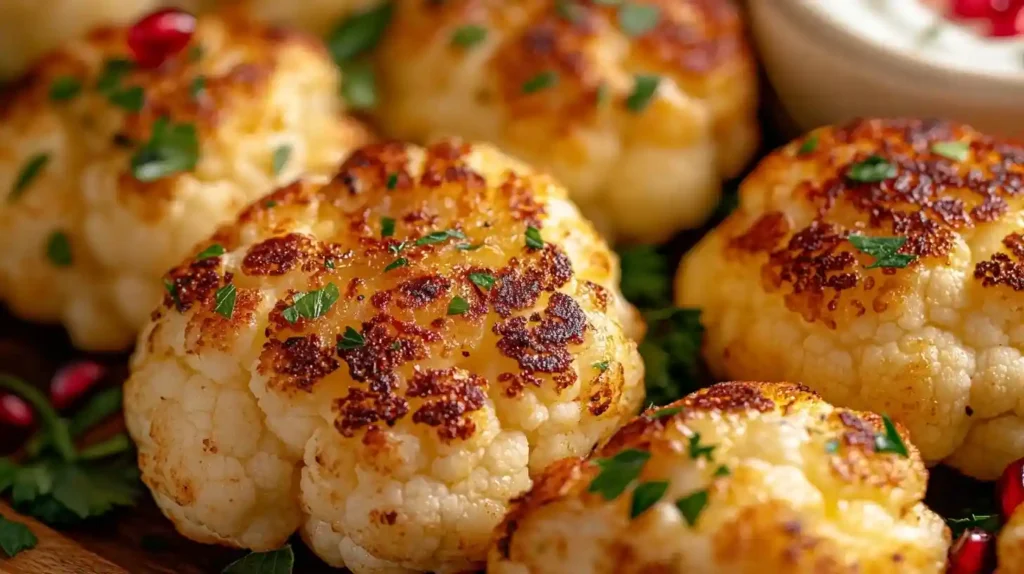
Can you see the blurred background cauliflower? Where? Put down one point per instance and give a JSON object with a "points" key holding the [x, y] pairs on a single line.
{"points": [[741, 478], [383, 361], [113, 170], [640, 108]]}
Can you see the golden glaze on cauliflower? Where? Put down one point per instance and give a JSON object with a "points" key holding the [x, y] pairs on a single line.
{"points": [[1010, 544], [556, 83], [315, 16], [83, 240], [937, 344], [406, 345], [792, 485]]}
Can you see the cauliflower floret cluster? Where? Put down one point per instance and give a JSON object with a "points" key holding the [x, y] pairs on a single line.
{"points": [[882, 264], [383, 361], [740, 478], [640, 108], [111, 173]]}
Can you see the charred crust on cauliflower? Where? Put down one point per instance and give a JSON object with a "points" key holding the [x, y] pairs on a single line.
{"points": [[745, 523]]}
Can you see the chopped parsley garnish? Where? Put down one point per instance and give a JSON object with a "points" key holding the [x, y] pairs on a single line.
{"points": [[618, 472], [483, 280], [172, 148], [397, 247], [114, 70], [280, 561], [646, 495], [224, 300], [987, 522], [956, 151], [280, 158], [359, 34], [197, 87], [885, 250], [359, 87], [457, 306], [810, 144], [65, 88], [469, 246], [29, 171], [469, 35], [15, 537], [400, 262], [351, 339], [392, 182], [329, 263], [129, 99], [722, 470], [638, 19], [215, 250], [890, 440], [195, 53], [601, 366], [671, 352], [691, 506], [172, 290], [602, 95], [313, 304], [644, 87], [697, 450], [662, 413], [646, 276], [269, 204], [439, 236], [545, 79], [533, 238], [387, 226], [569, 10], [58, 249], [871, 170], [832, 446]]}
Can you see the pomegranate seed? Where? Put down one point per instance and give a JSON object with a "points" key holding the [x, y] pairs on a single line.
{"points": [[1011, 487], [14, 411], [971, 8], [74, 380], [973, 553], [160, 35], [1008, 22]]}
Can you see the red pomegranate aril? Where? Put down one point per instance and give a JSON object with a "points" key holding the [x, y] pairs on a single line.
{"points": [[74, 380], [1011, 487], [1007, 22], [971, 8], [973, 553], [160, 35], [15, 412]]}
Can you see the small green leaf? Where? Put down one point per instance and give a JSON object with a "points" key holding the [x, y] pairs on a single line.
{"points": [[439, 236], [956, 151], [987, 522], [359, 87], [58, 249], [215, 250], [130, 99], [114, 70], [570, 10], [195, 53], [172, 148], [890, 440], [600, 366], [329, 263], [832, 446], [533, 238], [225, 301], [646, 495], [457, 306], [101, 406], [872, 170], [280, 159], [885, 250], [197, 87], [638, 19], [350, 340], [397, 248], [359, 34], [280, 561], [644, 88], [483, 280], [313, 304], [618, 472], [469, 246], [114, 445], [722, 470], [65, 88], [387, 226], [392, 181], [15, 537], [29, 171], [810, 144], [666, 412], [545, 79], [400, 262], [692, 505], [697, 450], [469, 35]]}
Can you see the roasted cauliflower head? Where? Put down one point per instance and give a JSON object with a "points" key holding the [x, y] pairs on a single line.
{"points": [[383, 361], [111, 173], [315, 16], [640, 108], [754, 478], [882, 264]]}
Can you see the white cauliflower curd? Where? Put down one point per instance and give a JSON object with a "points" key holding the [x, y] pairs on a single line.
{"points": [[110, 173], [640, 108], [881, 263], [738, 478], [382, 361]]}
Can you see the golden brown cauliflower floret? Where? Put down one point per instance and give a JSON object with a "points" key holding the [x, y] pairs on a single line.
{"points": [[382, 361], [739, 478], [640, 108], [927, 329], [315, 16], [111, 173]]}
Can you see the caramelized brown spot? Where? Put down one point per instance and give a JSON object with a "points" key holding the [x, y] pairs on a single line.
{"points": [[297, 362], [520, 283], [421, 291], [544, 348], [1001, 269], [730, 397], [764, 234], [450, 395], [279, 255]]}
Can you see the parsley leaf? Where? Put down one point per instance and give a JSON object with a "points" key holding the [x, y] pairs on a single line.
{"points": [[352, 339], [638, 19], [15, 537], [987, 522], [400, 262], [832, 446], [885, 250], [114, 70], [457, 306], [483, 280], [644, 88], [871, 170], [601, 366], [697, 450], [469, 35], [392, 182], [662, 413], [533, 238], [224, 300], [65, 88], [890, 440], [671, 352], [545, 79], [439, 236], [646, 495], [197, 87], [313, 304], [646, 276], [692, 505], [359, 34], [956, 151], [810, 144], [359, 86], [172, 148], [58, 249], [387, 226], [618, 472], [722, 470], [215, 250], [29, 171], [280, 561], [130, 99]]}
